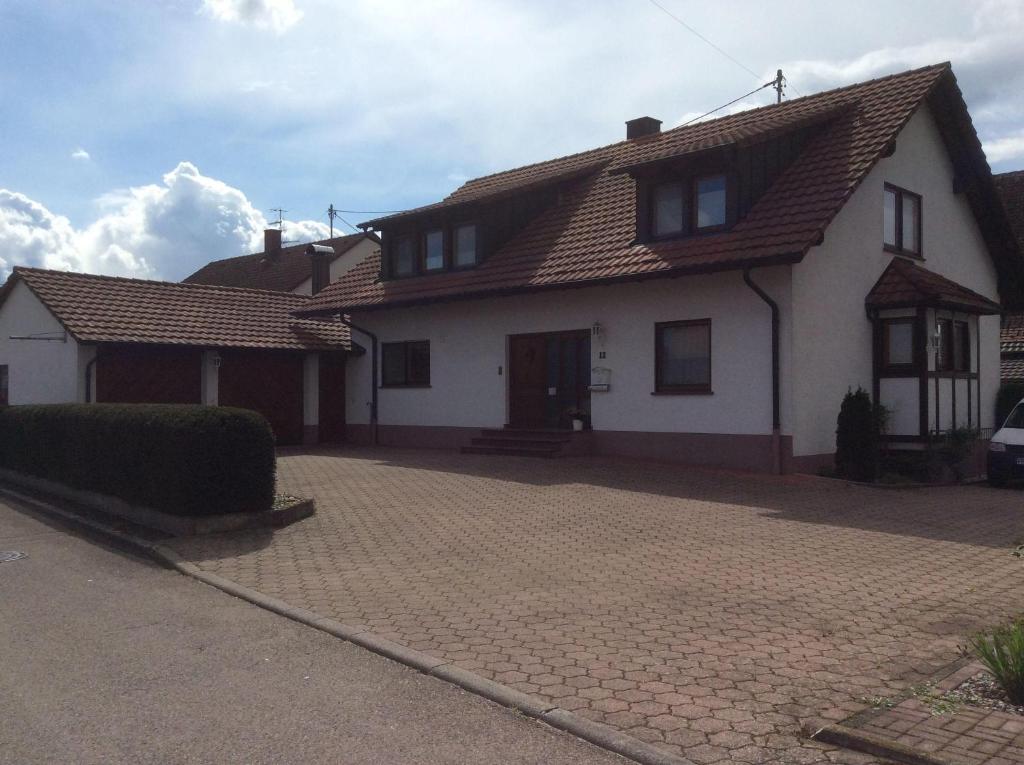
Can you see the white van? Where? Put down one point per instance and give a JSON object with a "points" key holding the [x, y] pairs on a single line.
{"points": [[1006, 449]]}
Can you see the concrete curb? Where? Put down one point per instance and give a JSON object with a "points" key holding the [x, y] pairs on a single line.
{"points": [[595, 733]]}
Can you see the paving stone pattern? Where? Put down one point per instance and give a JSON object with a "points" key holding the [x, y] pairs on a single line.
{"points": [[708, 612]]}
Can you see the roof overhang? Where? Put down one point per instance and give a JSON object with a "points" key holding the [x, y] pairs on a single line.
{"points": [[667, 273]]}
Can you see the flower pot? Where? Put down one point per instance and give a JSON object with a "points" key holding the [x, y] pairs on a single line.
{"points": [[577, 424]]}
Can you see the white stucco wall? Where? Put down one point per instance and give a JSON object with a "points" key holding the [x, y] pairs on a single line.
{"points": [[831, 337], [468, 341], [39, 371], [342, 264]]}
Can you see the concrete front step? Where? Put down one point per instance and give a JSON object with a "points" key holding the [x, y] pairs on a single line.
{"points": [[515, 434], [512, 449]]}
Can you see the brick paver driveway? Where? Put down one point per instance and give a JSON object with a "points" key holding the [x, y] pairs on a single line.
{"points": [[707, 612]]}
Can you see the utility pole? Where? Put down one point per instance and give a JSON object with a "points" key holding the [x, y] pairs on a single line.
{"points": [[779, 84], [332, 214]]}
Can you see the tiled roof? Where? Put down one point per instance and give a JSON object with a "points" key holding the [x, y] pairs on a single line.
{"points": [[1012, 334], [107, 309], [1011, 191], [285, 272], [588, 237], [1012, 368], [905, 284]]}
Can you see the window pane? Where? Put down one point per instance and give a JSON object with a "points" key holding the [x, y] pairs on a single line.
{"points": [[889, 219], [433, 257], [465, 245], [685, 355], [963, 346], [668, 209], [911, 213], [392, 366], [711, 201], [944, 360], [3, 385], [419, 363], [900, 342], [404, 256]]}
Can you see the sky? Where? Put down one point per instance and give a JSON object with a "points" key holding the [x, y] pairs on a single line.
{"points": [[148, 138]]}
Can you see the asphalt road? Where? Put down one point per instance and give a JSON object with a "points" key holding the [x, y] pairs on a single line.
{"points": [[108, 658]]}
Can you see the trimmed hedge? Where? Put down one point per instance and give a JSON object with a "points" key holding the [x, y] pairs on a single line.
{"points": [[180, 459], [1010, 393]]}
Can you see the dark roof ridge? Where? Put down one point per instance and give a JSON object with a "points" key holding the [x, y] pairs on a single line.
{"points": [[161, 282]]}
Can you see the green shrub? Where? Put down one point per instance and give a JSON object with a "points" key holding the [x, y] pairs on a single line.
{"points": [[1001, 650], [181, 459], [1009, 395], [857, 436]]}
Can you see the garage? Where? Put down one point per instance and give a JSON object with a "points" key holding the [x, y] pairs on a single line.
{"points": [[266, 382], [140, 374]]}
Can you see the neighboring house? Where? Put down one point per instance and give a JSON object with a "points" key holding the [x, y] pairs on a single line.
{"points": [[68, 337], [1011, 189], [285, 269], [706, 294]]}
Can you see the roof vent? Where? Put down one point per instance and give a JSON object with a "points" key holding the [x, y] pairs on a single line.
{"points": [[642, 126], [271, 243]]}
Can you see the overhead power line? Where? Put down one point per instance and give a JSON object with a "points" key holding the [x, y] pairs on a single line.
{"points": [[697, 34], [735, 100], [701, 37]]}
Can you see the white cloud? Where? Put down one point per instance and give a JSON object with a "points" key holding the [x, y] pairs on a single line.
{"points": [[278, 15], [164, 230], [81, 155], [1009, 147]]}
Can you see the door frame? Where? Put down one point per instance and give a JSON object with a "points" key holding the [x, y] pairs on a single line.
{"points": [[561, 333]]}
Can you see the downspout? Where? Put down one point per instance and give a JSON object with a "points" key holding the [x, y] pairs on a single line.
{"points": [[88, 378], [373, 375], [776, 399]]}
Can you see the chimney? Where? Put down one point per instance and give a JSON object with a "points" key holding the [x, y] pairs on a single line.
{"points": [[271, 243], [320, 257], [642, 126]]}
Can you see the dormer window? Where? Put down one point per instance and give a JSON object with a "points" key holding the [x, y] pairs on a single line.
{"points": [[464, 246], [710, 206], [697, 204], [433, 250], [405, 256], [901, 221]]}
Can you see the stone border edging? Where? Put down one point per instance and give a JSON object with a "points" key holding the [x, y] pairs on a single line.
{"points": [[596, 733], [879, 746], [178, 525]]}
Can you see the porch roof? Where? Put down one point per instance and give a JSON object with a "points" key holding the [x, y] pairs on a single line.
{"points": [[905, 285]]}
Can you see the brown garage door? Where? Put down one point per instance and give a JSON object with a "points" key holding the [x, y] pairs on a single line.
{"points": [[142, 374], [268, 382], [332, 397]]}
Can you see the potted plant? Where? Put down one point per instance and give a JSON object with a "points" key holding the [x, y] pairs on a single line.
{"points": [[580, 418]]}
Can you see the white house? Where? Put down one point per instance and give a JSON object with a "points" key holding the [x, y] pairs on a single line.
{"points": [[706, 294]]}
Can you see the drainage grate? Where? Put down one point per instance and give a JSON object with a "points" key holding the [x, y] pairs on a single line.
{"points": [[9, 555]]}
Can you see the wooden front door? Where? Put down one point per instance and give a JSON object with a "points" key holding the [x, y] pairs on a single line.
{"points": [[549, 375]]}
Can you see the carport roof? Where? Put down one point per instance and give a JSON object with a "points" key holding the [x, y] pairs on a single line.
{"points": [[108, 309]]}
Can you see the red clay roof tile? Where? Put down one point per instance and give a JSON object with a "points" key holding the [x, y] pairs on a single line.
{"points": [[905, 284], [107, 309], [588, 236]]}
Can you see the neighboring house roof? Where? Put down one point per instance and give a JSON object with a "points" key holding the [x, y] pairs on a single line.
{"points": [[904, 284], [283, 272], [1012, 368], [588, 237], [1012, 334], [108, 309], [1011, 189]]}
